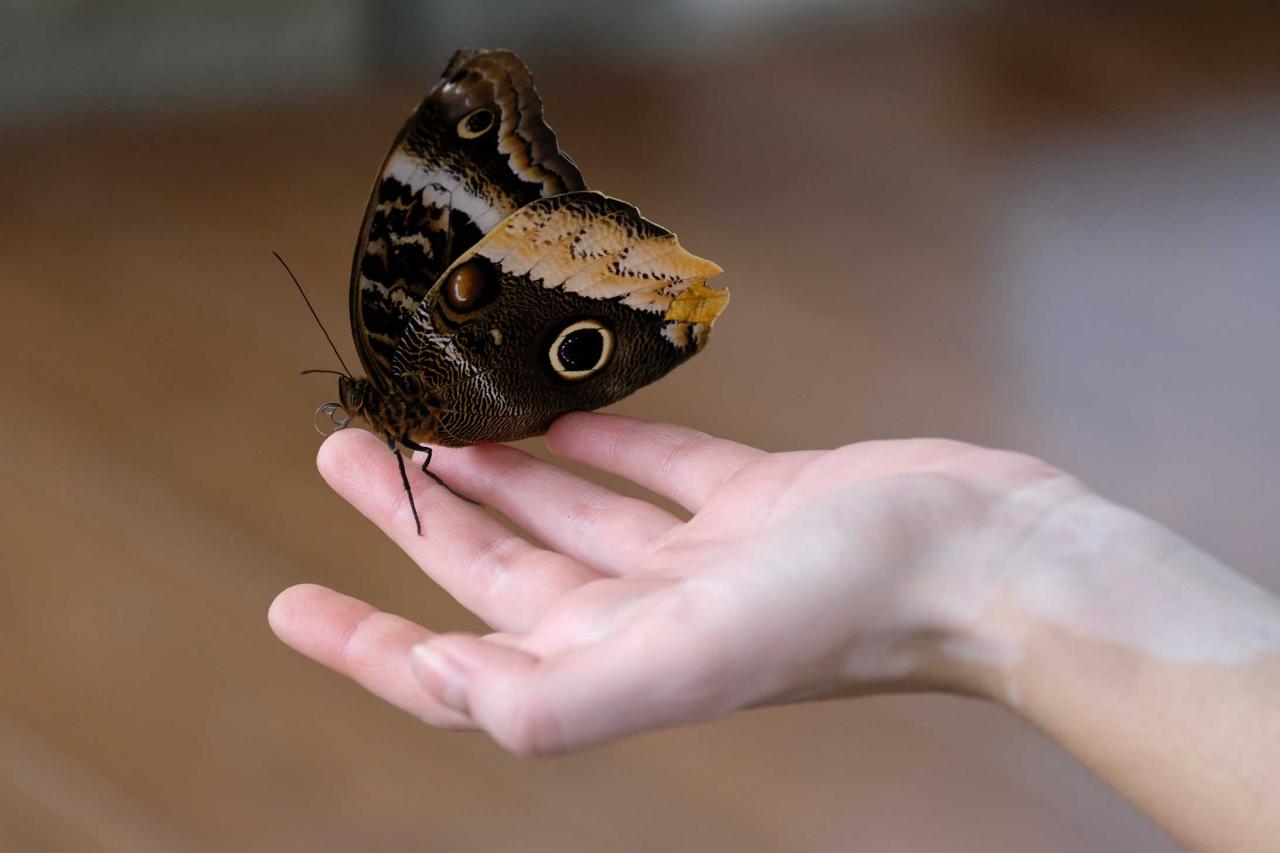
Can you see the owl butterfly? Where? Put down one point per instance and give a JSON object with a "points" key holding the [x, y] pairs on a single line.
{"points": [[491, 292]]}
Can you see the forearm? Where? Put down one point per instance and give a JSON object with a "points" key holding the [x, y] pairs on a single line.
{"points": [[1153, 664]]}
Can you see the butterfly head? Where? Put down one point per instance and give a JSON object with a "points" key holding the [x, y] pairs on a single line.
{"points": [[351, 395], [360, 398], [333, 417]]}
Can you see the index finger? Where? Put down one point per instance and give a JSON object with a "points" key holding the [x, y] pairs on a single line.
{"points": [[676, 462], [497, 575], [357, 640]]}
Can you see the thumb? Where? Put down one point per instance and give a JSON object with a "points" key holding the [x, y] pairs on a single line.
{"points": [[655, 673]]}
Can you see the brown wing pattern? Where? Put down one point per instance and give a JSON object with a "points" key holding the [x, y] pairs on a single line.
{"points": [[573, 261], [594, 246], [474, 151]]}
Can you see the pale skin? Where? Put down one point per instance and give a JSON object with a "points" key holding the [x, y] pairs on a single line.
{"points": [[878, 567]]}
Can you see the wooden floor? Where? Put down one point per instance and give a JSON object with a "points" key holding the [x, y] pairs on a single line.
{"points": [[938, 230]]}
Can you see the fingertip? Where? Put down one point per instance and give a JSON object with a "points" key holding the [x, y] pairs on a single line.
{"points": [[288, 604], [357, 466], [339, 454], [278, 612], [304, 616]]}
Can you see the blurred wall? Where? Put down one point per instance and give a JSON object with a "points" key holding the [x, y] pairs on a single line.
{"points": [[58, 57]]}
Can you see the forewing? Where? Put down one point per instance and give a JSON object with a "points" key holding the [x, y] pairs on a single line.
{"points": [[474, 151]]}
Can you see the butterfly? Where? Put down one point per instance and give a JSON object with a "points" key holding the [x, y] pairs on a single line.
{"points": [[491, 291]]}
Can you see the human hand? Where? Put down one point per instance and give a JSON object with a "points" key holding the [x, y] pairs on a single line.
{"points": [[876, 567], [799, 575]]}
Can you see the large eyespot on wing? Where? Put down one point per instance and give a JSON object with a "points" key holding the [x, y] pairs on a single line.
{"points": [[476, 123], [526, 149], [469, 286], [581, 350]]}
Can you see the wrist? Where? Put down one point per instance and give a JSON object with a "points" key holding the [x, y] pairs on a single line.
{"points": [[1037, 546], [951, 621], [1093, 586], [1148, 660]]}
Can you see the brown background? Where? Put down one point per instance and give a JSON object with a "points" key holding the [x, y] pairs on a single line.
{"points": [[1052, 230]]}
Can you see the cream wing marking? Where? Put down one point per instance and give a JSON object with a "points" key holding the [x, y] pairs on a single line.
{"points": [[602, 248]]}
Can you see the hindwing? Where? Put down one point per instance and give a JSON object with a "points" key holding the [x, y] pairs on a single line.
{"points": [[573, 302]]}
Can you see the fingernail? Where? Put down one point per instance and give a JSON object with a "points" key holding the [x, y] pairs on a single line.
{"points": [[441, 675]]}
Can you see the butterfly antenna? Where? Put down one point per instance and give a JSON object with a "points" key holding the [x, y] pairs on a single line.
{"points": [[317, 319]]}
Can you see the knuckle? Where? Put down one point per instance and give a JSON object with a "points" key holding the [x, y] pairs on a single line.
{"points": [[494, 558], [358, 651], [588, 513], [402, 506], [619, 440], [491, 566], [681, 450]]}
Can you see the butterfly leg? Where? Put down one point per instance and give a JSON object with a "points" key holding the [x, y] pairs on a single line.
{"points": [[404, 478], [413, 445]]}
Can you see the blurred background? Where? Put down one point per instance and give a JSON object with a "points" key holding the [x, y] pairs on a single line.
{"points": [[1048, 226]]}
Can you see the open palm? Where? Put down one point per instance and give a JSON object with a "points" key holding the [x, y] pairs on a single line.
{"points": [[797, 575]]}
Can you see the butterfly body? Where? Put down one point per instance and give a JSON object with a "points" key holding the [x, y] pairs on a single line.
{"points": [[491, 292], [408, 418]]}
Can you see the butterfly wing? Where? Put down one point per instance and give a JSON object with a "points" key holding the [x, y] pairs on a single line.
{"points": [[473, 152], [572, 302]]}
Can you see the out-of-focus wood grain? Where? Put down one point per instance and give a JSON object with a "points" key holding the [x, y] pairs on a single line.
{"points": [[157, 462]]}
